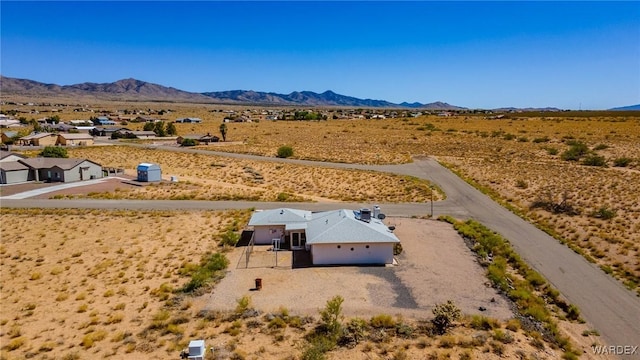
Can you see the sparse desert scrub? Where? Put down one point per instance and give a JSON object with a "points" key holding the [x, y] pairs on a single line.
{"points": [[91, 301], [208, 177]]}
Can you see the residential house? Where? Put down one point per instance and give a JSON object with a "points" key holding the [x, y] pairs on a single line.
{"points": [[16, 169], [338, 237], [8, 136], [107, 131], [6, 156], [103, 120], [193, 120], [13, 172], [205, 139], [143, 134], [39, 139], [79, 139]]}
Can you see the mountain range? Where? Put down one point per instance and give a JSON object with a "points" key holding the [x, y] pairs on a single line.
{"points": [[137, 90]]}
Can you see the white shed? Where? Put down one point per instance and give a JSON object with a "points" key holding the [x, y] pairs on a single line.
{"points": [[149, 172], [197, 350]]}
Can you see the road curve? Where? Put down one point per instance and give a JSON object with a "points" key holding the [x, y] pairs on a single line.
{"points": [[607, 305]]}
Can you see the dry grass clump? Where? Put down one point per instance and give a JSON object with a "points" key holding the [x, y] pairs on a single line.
{"points": [[208, 177]]}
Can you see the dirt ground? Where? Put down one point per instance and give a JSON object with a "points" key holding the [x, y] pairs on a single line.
{"points": [[435, 266]]}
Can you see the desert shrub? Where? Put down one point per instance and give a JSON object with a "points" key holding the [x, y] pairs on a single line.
{"points": [[331, 315], [521, 184], [480, 322], [229, 238], [573, 313], [54, 152], [541, 140], [285, 151], [382, 321], [576, 151], [243, 304], [594, 160], [444, 316], [552, 151], [601, 147], [277, 323], [509, 137], [189, 142], [354, 331], [604, 213], [622, 162], [282, 197], [208, 270]]}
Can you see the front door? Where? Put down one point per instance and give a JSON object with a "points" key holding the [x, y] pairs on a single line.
{"points": [[297, 240]]}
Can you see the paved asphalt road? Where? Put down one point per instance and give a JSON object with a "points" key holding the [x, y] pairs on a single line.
{"points": [[612, 309]]}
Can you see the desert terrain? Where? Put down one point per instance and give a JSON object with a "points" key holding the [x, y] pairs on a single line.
{"points": [[84, 284], [115, 274]]}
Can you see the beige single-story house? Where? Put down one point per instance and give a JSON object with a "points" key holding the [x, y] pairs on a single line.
{"points": [[338, 237], [13, 172], [80, 139], [19, 169], [39, 139], [144, 134], [6, 156]]}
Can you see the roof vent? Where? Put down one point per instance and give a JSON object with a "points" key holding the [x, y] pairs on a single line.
{"points": [[365, 215]]}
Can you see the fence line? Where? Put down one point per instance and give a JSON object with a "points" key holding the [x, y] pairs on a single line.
{"points": [[249, 249]]}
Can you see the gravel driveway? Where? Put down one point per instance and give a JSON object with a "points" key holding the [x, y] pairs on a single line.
{"points": [[434, 267]]}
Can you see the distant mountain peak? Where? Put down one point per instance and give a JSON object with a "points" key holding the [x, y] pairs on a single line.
{"points": [[137, 90]]}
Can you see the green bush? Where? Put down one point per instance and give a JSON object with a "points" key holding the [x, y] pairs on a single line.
{"points": [[575, 152], [604, 213], [230, 238], [594, 160], [54, 152], [622, 162], [285, 151], [189, 142], [208, 271]]}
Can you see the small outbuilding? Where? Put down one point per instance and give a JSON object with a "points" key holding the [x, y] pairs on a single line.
{"points": [[149, 172]]}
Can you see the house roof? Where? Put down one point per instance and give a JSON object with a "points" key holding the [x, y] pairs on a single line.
{"points": [[13, 166], [342, 226], [282, 216], [47, 163], [10, 134], [143, 133], [5, 154], [37, 136], [75, 136], [327, 227], [148, 166]]}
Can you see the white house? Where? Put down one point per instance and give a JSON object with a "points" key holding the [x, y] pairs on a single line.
{"points": [[337, 237]]}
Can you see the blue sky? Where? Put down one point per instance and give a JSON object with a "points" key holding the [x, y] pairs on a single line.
{"points": [[473, 54]]}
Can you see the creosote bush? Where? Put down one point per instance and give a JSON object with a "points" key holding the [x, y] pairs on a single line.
{"points": [[285, 151]]}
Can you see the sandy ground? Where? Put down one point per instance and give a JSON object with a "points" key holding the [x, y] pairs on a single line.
{"points": [[434, 267]]}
